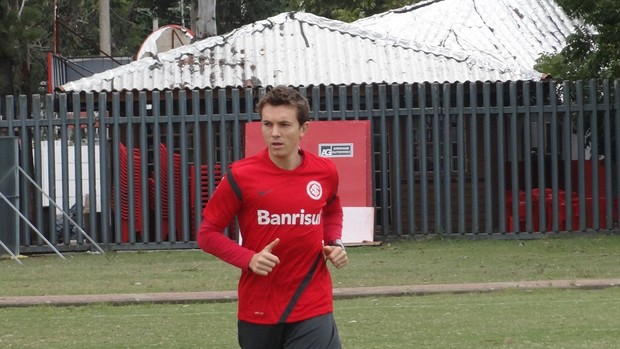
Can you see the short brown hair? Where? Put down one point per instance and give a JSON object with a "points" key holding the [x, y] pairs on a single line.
{"points": [[284, 95]]}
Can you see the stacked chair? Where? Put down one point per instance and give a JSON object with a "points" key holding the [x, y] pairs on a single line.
{"points": [[166, 203], [203, 191], [125, 193]]}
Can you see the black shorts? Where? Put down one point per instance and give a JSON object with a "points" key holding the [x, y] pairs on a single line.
{"points": [[315, 333]]}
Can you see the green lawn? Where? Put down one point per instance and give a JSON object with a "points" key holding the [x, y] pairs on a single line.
{"points": [[504, 319], [402, 263], [544, 319]]}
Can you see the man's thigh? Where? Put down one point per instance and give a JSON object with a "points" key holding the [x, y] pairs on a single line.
{"points": [[256, 336], [316, 333]]}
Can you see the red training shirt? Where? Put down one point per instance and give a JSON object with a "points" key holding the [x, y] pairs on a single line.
{"points": [[301, 207]]}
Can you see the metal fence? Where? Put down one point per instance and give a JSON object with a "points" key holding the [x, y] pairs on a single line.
{"points": [[499, 160]]}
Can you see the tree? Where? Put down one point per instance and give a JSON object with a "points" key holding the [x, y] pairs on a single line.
{"points": [[79, 33], [348, 11], [593, 51], [168, 11], [22, 36], [203, 18], [232, 14]]}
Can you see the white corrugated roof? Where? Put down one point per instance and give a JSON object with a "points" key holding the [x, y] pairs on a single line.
{"points": [[298, 49], [512, 32]]}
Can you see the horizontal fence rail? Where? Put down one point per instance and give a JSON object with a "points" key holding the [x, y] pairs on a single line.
{"points": [[497, 160]]}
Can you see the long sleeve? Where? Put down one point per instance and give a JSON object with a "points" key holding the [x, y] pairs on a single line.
{"points": [[212, 240], [332, 220], [217, 215]]}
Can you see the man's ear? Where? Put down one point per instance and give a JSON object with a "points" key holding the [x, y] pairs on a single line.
{"points": [[304, 129]]}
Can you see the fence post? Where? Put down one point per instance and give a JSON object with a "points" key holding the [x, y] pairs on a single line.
{"points": [[9, 234]]}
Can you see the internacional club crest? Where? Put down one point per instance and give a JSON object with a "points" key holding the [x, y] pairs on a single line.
{"points": [[314, 190]]}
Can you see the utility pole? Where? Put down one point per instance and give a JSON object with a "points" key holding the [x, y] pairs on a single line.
{"points": [[55, 30], [105, 42]]}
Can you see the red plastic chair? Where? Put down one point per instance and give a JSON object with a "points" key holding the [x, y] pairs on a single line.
{"points": [[203, 191], [602, 209], [124, 192], [178, 205], [520, 220], [165, 199], [163, 179]]}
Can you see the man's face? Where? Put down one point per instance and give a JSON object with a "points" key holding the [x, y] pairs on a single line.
{"points": [[281, 132]]}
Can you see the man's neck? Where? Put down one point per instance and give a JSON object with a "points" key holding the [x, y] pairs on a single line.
{"points": [[289, 163]]}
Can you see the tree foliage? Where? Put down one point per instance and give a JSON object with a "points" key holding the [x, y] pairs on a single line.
{"points": [[79, 27], [593, 51], [22, 37], [27, 26], [233, 14], [230, 14], [348, 11]]}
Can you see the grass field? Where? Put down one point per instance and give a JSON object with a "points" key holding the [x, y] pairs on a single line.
{"points": [[505, 319], [402, 263]]}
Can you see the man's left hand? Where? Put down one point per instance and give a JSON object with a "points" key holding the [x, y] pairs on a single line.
{"points": [[336, 255]]}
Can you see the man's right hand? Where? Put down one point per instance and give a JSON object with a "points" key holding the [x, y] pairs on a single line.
{"points": [[263, 262]]}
